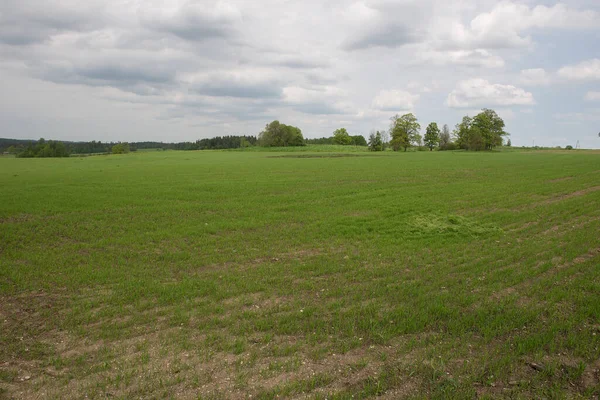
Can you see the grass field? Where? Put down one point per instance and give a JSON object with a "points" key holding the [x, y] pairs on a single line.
{"points": [[260, 274]]}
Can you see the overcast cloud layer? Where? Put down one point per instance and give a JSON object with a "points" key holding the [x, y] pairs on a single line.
{"points": [[174, 70]]}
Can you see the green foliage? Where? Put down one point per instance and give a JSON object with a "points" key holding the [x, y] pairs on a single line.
{"points": [[44, 149], [277, 134], [323, 140], [509, 144], [244, 143], [483, 132], [432, 136], [120, 148], [568, 147], [341, 136], [462, 132], [404, 131], [359, 140], [491, 128], [216, 143], [375, 142]]}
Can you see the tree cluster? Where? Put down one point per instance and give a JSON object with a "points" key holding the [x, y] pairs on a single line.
{"points": [[482, 132], [44, 148], [18, 146], [226, 142], [277, 134], [376, 141], [342, 137], [121, 148], [323, 140]]}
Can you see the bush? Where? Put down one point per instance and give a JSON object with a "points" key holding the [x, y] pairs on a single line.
{"points": [[120, 148], [449, 146], [569, 147]]}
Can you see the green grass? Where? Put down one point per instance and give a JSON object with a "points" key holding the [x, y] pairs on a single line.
{"points": [[301, 274]]}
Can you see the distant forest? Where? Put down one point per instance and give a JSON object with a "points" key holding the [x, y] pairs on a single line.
{"points": [[44, 148]]}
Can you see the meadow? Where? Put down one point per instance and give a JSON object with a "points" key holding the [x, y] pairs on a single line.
{"points": [[282, 274]]}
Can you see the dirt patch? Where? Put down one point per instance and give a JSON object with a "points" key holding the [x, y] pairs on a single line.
{"points": [[565, 178], [557, 267], [556, 199], [519, 228], [590, 378], [571, 195]]}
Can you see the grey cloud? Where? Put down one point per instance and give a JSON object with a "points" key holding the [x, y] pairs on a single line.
{"points": [[301, 63], [383, 36], [27, 22], [226, 110], [143, 80], [194, 22], [120, 73], [318, 109], [231, 86]]}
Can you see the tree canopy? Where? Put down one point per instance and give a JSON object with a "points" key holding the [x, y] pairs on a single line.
{"points": [[404, 131], [45, 148], [341, 136], [121, 148], [432, 136], [277, 134], [482, 132], [375, 141]]}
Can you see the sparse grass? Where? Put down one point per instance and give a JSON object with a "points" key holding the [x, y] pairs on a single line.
{"points": [[236, 273]]}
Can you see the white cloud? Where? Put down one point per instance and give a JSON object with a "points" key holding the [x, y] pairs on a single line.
{"points": [[394, 100], [467, 58], [584, 71], [534, 77], [508, 23], [479, 92], [326, 101], [592, 96]]}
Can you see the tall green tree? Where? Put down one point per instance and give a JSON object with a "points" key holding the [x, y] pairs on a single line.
{"points": [[277, 134], [358, 140], [121, 148], [432, 136], [482, 132], [404, 131], [375, 141], [462, 132], [491, 128], [341, 136]]}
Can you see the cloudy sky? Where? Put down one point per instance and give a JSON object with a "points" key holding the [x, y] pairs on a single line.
{"points": [[175, 70]]}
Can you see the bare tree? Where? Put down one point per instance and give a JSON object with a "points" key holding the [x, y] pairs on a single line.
{"points": [[445, 137]]}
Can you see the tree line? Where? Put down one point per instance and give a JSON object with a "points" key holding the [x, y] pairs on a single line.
{"points": [[56, 148], [482, 132]]}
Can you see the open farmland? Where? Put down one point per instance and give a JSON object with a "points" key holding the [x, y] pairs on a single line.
{"points": [[265, 274]]}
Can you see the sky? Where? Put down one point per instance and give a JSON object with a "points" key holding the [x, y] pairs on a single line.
{"points": [[181, 70]]}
